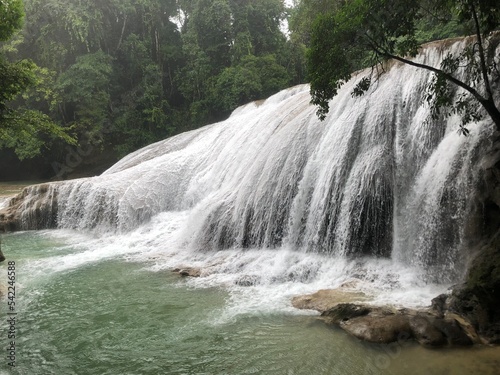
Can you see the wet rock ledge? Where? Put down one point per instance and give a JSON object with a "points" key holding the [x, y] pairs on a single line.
{"points": [[34, 208], [432, 326]]}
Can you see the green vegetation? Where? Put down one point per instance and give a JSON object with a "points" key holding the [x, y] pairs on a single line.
{"points": [[24, 130], [124, 73], [120, 74], [361, 31]]}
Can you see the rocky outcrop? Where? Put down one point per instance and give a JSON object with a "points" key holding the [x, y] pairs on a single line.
{"points": [[34, 208], [343, 312], [425, 332], [478, 298], [378, 327], [385, 324]]}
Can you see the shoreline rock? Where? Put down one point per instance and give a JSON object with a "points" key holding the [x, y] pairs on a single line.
{"points": [[35, 207], [386, 324]]}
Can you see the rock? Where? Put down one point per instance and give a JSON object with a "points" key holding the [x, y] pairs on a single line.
{"points": [[345, 311], [327, 299], [384, 324], [438, 304], [247, 280], [453, 332], [188, 271], [382, 329], [34, 208], [477, 300], [431, 330], [466, 326], [2, 257], [425, 333]]}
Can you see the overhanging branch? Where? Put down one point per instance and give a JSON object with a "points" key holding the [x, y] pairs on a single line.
{"points": [[384, 53]]}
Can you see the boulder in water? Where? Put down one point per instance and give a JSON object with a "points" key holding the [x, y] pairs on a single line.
{"points": [[188, 271], [379, 328], [384, 324], [424, 332]]}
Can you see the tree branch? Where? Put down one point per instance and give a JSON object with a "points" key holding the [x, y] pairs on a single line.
{"points": [[487, 103], [384, 53], [482, 58]]}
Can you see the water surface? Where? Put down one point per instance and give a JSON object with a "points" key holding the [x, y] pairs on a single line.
{"points": [[119, 315]]}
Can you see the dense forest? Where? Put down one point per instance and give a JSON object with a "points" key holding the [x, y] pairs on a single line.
{"points": [[99, 79], [117, 75]]}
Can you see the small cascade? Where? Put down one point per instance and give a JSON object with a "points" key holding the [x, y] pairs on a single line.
{"points": [[38, 206]]}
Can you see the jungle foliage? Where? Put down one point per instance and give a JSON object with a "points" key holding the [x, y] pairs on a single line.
{"points": [[120, 74], [22, 129], [368, 32], [124, 73]]}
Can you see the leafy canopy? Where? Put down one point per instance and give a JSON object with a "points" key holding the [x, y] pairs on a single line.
{"points": [[26, 131], [366, 32], [11, 17], [125, 73]]}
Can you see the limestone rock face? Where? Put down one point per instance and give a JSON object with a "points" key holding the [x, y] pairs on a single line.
{"points": [[477, 299], [34, 208]]}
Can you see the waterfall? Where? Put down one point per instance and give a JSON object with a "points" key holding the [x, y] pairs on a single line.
{"points": [[379, 177]]}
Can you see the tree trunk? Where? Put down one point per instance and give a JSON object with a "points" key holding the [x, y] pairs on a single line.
{"points": [[493, 111]]}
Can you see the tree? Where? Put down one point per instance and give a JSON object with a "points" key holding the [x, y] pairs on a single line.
{"points": [[84, 88], [235, 52], [253, 78], [11, 18], [24, 130], [305, 12], [377, 30]]}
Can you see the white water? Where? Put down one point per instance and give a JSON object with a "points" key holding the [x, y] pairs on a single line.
{"points": [[376, 192], [4, 202]]}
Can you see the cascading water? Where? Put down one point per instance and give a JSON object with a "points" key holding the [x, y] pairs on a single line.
{"points": [[378, 178]]}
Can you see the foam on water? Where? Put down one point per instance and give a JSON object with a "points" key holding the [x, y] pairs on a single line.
{"points": [[259, 281]]}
